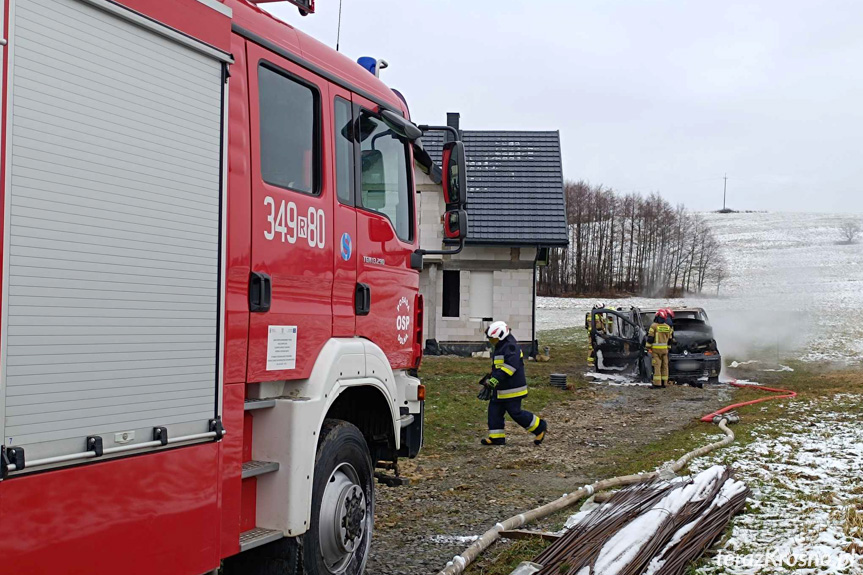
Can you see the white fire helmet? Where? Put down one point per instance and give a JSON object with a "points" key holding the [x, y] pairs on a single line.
{"points": [[598, 305], [497, 330]]}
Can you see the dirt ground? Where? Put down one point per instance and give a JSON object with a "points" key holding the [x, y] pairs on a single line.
{"points": [[464, 490]]}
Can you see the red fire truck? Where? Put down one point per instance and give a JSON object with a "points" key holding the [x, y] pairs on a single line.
{"points": [[210, 315]]}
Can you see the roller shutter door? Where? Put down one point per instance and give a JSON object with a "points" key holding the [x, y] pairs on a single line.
{"points": [[112, 279]]}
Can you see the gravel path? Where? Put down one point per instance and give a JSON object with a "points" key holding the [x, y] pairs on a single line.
{"points": [[418, 528]]}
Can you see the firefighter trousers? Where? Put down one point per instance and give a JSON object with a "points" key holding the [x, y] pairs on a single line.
{"points": [[498, 408], [660, 366]]}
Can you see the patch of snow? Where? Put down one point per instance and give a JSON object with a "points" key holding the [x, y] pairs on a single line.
{"points": [[780, 368], [613, 379], [803, 481], [790, 291], [739, 363]]}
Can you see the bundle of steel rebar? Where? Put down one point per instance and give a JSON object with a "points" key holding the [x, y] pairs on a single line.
{"points": [[657, 527], [460, 562]]}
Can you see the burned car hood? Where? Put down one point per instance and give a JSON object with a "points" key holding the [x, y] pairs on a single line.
{"points": [[692, 334]]}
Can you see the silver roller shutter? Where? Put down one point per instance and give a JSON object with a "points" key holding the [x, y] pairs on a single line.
{"points": [[112, 279]]}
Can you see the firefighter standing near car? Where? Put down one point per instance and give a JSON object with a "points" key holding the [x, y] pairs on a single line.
{"points": [[591, 321], [658, 339], [505, 388]]}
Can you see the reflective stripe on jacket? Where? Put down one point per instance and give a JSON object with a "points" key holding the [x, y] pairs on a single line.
{"points": [[659, 335], [507, 369]]}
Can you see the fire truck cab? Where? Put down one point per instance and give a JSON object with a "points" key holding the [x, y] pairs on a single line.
{"points": [[210, 322]]}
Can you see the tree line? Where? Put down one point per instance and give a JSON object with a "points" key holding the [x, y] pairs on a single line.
{"points": [[631, 244]]}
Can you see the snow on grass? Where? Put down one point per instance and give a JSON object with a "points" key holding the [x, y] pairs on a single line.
{"points": [[806, 511], [791, 291]]}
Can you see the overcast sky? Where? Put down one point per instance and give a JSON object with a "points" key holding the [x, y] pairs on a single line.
{"points": [[662, 96]]}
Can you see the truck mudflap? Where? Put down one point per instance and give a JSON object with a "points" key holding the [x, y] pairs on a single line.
{"points": [[412, 434]]}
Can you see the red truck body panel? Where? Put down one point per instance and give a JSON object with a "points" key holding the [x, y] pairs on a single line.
{"points": [[156, 513], [179, 511]]}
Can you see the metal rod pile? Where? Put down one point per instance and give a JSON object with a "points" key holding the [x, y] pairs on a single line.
{"points": [[460, 562], [654, 528]]}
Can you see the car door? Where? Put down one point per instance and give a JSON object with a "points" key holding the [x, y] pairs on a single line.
{"points": [[386, 236], [291, 282]]}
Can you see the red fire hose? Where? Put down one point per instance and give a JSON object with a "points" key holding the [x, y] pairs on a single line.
{"points": [[787, 394]]}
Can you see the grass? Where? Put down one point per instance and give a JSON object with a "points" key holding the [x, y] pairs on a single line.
{"points": [[454, 418], [503, 558]]}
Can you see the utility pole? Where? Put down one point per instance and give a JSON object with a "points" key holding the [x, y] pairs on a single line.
{"points": [[724, 190]]}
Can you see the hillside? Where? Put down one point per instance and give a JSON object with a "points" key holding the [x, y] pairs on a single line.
{"points": [[791, 290]]}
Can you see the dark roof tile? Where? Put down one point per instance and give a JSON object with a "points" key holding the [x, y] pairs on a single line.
{"points": [[515, 186]]}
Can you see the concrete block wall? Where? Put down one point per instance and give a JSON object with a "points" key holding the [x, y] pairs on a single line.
{"points": [[513, 303], [513, 288], [431, 208]]}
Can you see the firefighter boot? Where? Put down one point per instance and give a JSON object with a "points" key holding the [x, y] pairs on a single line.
{"points": [[493, 441], [540, 432]]}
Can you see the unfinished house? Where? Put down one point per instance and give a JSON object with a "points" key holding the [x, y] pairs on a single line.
{"points": [[516, 211]]}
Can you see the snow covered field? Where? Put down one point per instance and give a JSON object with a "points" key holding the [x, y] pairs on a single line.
{"points": [[806, 512], [792, 291]]}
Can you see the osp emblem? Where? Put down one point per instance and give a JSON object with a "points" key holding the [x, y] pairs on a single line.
{"points": [[403, 320], [347, 246]]}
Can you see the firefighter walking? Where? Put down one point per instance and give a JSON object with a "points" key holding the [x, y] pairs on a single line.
{"points": [[658, 339], [505, 388]]}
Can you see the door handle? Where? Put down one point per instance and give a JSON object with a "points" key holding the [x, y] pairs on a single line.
{"points": [[363, 299], [260, 292]]}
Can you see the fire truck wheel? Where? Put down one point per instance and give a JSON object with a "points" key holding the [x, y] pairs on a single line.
{"points": [[343, 506]]}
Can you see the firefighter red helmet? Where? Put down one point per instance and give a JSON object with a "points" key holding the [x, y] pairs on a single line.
{"points": [[670, 312], [662, 314]]}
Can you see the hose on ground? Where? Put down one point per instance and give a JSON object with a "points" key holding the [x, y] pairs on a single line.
{"points": [[787, 394], [460, 562]]}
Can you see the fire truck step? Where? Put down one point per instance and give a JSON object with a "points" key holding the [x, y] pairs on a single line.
{"points": [[257, 537], [259, 404], [255, 468]]}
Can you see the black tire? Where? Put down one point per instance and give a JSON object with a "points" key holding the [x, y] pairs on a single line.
{"points": [[344, 464], [713, 380], [280, 557]]}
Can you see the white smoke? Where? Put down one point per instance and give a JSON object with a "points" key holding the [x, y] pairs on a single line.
{"points": [[791, 292]]}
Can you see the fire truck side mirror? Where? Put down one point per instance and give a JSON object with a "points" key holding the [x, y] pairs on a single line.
{"points": [[454, 175], [400, 126], [455, 224]]}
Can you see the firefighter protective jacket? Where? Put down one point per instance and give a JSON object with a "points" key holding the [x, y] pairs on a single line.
{"points": [[659, 335], [507, 370]]}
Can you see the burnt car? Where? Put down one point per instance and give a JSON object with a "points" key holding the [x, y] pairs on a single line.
{"points": [[693, 356], [620, 339]]}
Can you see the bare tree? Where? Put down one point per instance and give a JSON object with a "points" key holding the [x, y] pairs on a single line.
{"points": [[850, 230], [629, 243]]}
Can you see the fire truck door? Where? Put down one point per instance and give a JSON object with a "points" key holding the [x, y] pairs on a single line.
{"points": [[290, 288], [386, 228], [344, 214]]}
